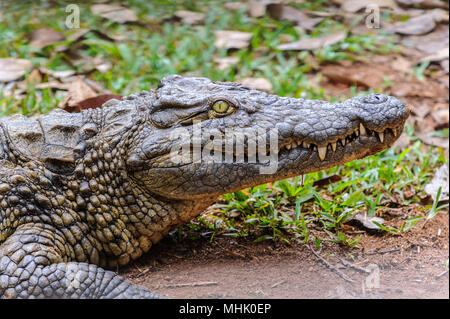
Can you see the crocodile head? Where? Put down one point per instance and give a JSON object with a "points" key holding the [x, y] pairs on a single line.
{"points": [[201, 136]]}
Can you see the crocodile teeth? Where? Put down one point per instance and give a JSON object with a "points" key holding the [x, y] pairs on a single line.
{"points": [[305, 145], [333, 146], [343, 141], [394, 132], [362, 129], [294, 144], [322, 152], [357, 132], [381, 136], [288, 146]]}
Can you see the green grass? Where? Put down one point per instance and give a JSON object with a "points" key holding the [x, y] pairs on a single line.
{"points": [[289, 210]]}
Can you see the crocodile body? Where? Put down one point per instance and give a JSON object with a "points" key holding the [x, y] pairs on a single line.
{"points": [[82, 193]]}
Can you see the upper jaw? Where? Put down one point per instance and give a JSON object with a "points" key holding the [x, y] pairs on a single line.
{"points": [[384, 138]]}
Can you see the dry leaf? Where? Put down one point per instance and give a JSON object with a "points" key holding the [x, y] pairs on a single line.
{"points": [[232, 39], [440, 179], [190, 17], [256, 8], [52, 85], [423, 4], [35, 77], [429, 43], [415, 26], [234, 5], [257, 83], [313, 43], [356, 5], [401, 64], [444, 65], [116, 13], [367, 222], [438, 56], [93, 102], [12, 69], [366, 75], [42, 37], [283, 12], [78, 91], [225, 63]]}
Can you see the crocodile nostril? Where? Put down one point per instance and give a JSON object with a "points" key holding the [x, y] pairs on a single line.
{"points": [[376, 98]]}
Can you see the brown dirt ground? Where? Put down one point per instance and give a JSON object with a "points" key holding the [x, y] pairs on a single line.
{"points": [[411, 265]]}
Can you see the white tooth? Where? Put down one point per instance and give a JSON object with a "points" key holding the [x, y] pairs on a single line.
{"points": [[362, 129], [333, 146], [305, 145], [357, 132], [322, 152], [343, 141], [294, 144], [394, 131], [288, 146], [381, 136]]}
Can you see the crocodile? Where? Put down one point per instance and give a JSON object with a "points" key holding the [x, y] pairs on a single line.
{"points": [[84, 193]]}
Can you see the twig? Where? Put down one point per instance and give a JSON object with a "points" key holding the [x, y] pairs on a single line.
{"points": [[441, 274], [192, 284], [341, 274], [381, 252], [346, 263], [278, 283]]}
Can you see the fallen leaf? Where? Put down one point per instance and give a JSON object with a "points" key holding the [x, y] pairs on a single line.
{"points": [[58, 74], [423, 4], [12, 69], [103, 67], [190, 17], [433, 140], [283, 12], [256, 8], [93, 102], [438, 56], [77, 91], [313, 43], [225, 63], [413, 88], [415, 26], [232, 39], [429, 43], [76, 34], [356, 5], [115, 13], [42, 37], [256, 83], [441, 115], [234, 5], [440, 179], [444, 65], [365, 75], [52, 85], [367, 222], [401, 64]]}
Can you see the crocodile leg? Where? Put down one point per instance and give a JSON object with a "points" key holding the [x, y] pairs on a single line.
{"points": [[32, 266]]}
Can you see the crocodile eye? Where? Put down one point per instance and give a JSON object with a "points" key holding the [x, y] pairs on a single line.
{"points": [[221, 107]]}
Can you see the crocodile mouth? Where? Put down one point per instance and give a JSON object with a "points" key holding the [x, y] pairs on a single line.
{"points": [[361, 135]]}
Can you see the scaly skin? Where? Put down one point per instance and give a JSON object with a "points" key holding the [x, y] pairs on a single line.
{"points": [[94, 190]]}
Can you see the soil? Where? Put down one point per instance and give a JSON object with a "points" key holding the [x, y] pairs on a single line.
{"points": [[381, 266]]}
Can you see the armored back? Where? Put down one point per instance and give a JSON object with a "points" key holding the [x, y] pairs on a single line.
{"points": [[50, 139]]}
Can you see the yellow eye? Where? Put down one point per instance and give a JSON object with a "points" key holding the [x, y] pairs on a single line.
{"points": [[221, 107]]}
